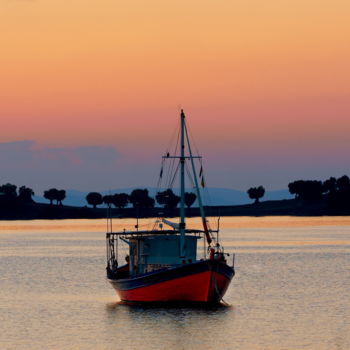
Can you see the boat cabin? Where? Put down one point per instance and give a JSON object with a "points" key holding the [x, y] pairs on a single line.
{"points": [[149, 253], [151, 250]]}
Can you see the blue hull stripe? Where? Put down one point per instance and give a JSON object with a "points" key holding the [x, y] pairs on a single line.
{"points": [[160, 276]]}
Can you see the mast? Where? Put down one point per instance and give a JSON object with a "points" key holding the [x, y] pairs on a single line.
{"points": [[204, 220], [182, 188]]}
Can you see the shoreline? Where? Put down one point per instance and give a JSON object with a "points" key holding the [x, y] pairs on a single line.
{"points": [[288, 207]]}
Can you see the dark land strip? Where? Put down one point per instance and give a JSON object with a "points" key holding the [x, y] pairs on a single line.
{"points": [[291, 207]]}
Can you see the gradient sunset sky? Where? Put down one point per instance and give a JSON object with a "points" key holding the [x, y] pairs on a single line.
{"points": [[90, 91]]}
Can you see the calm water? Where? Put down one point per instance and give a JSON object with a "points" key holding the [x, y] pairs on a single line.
{"points": [[291, 290]]}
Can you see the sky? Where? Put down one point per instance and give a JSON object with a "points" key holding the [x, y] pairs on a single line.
{"points": [[90, 91]]}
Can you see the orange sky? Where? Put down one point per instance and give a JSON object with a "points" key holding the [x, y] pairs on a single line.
{"points": [[256, 78]]}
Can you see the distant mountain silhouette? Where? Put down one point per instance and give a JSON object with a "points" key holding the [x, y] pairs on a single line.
{"points": [[212, 196]]}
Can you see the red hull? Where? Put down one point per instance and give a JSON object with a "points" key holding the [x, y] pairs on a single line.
{"points": [[208, 286]]}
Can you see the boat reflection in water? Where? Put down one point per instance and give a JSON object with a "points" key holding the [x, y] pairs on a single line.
{"points": [[162, 265]]}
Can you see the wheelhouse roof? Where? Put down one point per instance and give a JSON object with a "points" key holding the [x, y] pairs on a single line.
{"points": [[150, 233]]}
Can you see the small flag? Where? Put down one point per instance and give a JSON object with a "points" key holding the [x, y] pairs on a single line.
{"points": [[161, 173], [202, 182], [201, 172]]}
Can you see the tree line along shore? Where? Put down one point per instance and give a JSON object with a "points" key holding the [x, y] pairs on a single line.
{"points": [[312, 198]]}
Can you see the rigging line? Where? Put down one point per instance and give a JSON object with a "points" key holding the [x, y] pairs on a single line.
{"points": [[173, 161], [175, 173], [192, 139], [160, 178], [189, 175], [210, 202], [164, 164], [170, 172], [158, 219], [169, 165], [176, 129], [206, 191], [177, 146], [158, 188]]}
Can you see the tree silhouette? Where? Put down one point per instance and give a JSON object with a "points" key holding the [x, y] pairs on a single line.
{"points": [[60, 196], [8, 194], [51, 194], [168, 199], [120, 200], [296, 188], [94, 199], [140, 199], [330, 185], [340, 198], [343, 183], [256, 193], [307, 190], [25, 194], [9, 190], [108, 200], [312, 190], [190, 198]]}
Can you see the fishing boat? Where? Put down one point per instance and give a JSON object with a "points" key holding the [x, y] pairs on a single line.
{"points": [[162, 264]]}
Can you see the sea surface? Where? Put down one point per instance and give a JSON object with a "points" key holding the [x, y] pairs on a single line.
{"points": [[291, 289]]}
